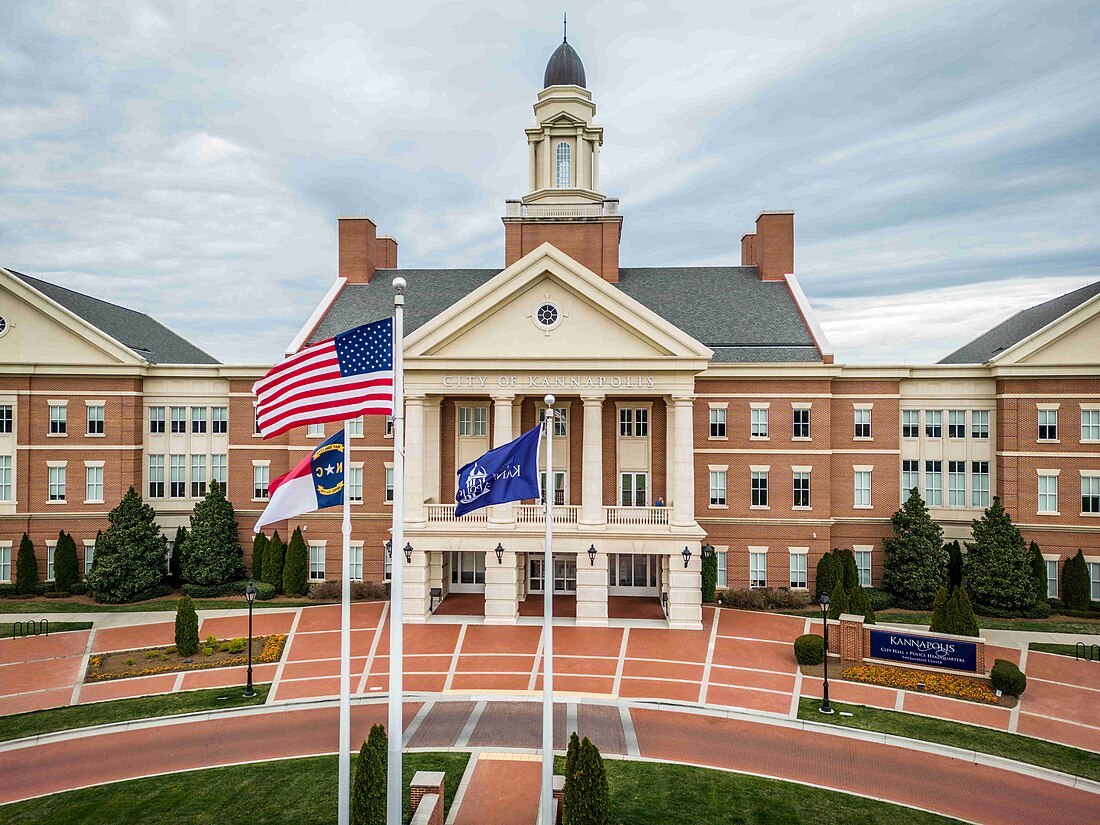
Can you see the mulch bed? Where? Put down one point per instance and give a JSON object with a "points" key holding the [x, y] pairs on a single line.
{"points": [[148, 661], [837, 668]]}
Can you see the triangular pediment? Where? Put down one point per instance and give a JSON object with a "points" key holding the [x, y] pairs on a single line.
{"points": [[40, 331], [1071, 340], [595, 321]]}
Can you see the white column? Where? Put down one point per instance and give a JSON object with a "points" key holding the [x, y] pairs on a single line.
{"points": [[548, 160], [683, 462], [685, 603], [501, 588], [416, 586], [580, 168], [414, 460], [502, 434], [431, 447], [592, 511], [592, 589], [596, 166]]}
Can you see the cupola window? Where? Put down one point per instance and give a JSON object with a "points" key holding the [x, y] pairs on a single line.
{"points": [[564, 176]]}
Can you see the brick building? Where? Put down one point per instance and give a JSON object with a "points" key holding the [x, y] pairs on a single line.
{"points": [[696, 405]]}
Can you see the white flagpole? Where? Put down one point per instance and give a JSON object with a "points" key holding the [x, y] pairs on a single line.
{"points": [[344, 784], [395, 727], [548, 624]]}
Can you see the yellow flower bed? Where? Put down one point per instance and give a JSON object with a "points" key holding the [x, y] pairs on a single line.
{"points": [[273, 649], [942, 684]]}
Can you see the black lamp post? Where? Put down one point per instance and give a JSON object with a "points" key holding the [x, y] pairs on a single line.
{"points": [[250, 596], [707, 551], [500, 553], [687, 555], [825, 706], [389, 549], [592, 554], [408, 553]]}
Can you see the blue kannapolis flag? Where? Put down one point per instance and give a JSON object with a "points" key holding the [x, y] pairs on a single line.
{"points": [[316, 482], [508, 473]]}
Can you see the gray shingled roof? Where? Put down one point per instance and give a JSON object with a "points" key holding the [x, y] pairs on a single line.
{"points": [[1020, 326], [728, 308], [143, 334]]}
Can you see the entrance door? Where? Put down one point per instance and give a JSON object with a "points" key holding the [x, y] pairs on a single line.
{"points": [[634, 489], [468, 572], [632, 574], [565, 574]]}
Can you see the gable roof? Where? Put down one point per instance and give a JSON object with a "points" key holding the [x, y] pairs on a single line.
{"points": [[1020, 326], [728, 308], [147, 337]]}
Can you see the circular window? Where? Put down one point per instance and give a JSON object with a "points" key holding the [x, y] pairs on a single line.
{"points": [[3, 325], [547, 315]]}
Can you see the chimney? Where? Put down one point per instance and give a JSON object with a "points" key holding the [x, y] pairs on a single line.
{"points": [[748, 249], [358, 251], [774, 245], [386, 253]]}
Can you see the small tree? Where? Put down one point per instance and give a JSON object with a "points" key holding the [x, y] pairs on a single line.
{"points": [[175, 561], [569, 789], [827, 574], [838, 601], [26, 567], [710, 577], [916, 561], [95, 552], [966, 624], [589, 803], [848, 567], [954, 565], [187, 627], [998, 567], [129, 556], [1075, 581], [1038, 571], [368, 790], [66, 572], [939, 612], [273, 562], [213, 553], [259, 544], [860, 603], [296, 566]]}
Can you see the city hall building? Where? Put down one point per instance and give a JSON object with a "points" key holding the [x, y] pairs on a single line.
{"points": [[694, 406]]}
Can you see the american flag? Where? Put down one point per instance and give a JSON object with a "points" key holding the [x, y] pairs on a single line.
{"points": [[333, 380]]}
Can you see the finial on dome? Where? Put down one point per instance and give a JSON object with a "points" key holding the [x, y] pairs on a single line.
{"points": [[564, 28], [564, 67]]}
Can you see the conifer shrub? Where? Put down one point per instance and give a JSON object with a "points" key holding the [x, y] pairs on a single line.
{"points": [[860, 603], [838, 600], [274, 555], [827, 574], [213, 552], [954, 565], [1006, 677], [259, 544], [939, 612], [26, 568], [175, 561], [187, 627], [589, 800], [296, 566], [809, 649], [916, 561], [848, 568], [965, 623], [998, 566], [1038, 570], [129, 556], [709, 577], [65, 570], [569, 788], [1075, 581], [368, 788]]}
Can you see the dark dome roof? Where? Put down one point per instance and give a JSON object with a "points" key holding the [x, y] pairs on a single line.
{"points": [[564, 68]]}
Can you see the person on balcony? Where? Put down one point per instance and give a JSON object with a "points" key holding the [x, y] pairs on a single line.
{"points": [[660, 502]]}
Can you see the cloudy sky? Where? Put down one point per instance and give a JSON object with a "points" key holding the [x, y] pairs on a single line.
{"points": [[189, 158]]}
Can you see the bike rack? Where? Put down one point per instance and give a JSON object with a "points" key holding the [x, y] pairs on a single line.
{"points": [[30, 628], [1090, 653]]}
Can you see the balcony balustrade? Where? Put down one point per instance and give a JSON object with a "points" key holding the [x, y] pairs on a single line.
{"points": [[532, 516]]}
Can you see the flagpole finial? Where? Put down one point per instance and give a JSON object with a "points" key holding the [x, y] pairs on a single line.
{"points": [[549, 399], [399, 285]]}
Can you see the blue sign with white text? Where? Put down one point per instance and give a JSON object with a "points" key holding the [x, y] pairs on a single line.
{"points": [[924, 650]]}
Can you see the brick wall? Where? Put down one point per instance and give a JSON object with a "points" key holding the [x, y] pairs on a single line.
{"points": [[594, 244]]}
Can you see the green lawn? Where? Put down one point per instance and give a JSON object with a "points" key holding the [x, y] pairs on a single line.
{"points": [[7, 629], [299, 791], [69, 606], [1061, 650], [1055, 625], [121, 710], [995, 742]]}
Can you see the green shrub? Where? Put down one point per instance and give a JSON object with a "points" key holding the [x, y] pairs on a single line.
{"points": [[26, 567], [130, 554], [828, 571], [954, 565], [273, 562], [130, 662], [259, 544], [860, 604], [1007, 678], [328, 591], [961, 614], [207, 650], [211, 641], [65, 571], [170, 649], [368, 788], [296, 566], [998, 566], [213, 553], [709, 577], [152, 654], [264, 591], [838, 600], [589, 802], [187, 627], [1038, 570], [880, 599], [1075, 582], [939, 612], [233, 646], [916, 561], [175, 561], [79, 589], [809, 649], [848, 567]]}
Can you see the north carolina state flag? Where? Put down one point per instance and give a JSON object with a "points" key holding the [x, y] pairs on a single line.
{"points": [[315, 483]]}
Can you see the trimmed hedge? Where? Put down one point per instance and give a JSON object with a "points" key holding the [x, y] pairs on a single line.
{"points": [[1007, 678], [809, 649], [264, 591], [187, 627], [360, 591]]}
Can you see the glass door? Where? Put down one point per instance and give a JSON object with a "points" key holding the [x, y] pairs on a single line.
{"points": [[634, 489], [565, 575], [468, 572]]}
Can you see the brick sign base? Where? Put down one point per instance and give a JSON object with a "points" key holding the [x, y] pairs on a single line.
{"points": [[850, 639]]}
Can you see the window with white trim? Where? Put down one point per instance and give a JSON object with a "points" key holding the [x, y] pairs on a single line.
{"points": [[561, 422], [723, 577], [1052, 577], [1048, 494], [979, 424], [759, 488], [863, 567], [354, 426], [1090, 494], [956, 483], [801, 489], [1048, 425], [979, 484], [7, 419], [356, 562], [563, 178], [219, 420], [93, 483], [219, 469], [5, 563], [260, 480], [355, 485], [5, 478], [717, 422], [758, 422], [634, 489], [387, 566], [389, 485], [933, 423], [1094, 581], [389, 426], [56, 483], [177, 419], [156, 420], [58, 422], [933, 483], [800, 421], [177, 476], [910, 423], [633, 422], [315, 430], [862, 488], [718, 488], [156, 476], [89, 556], [198, 420], [910, 476], [198, 476], [758, 568], [1090, 425], [559, 487], [317, 561], [96, 419], [956, 423], [862, 423], [473, 421], [798, 570], [51, 553]]}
